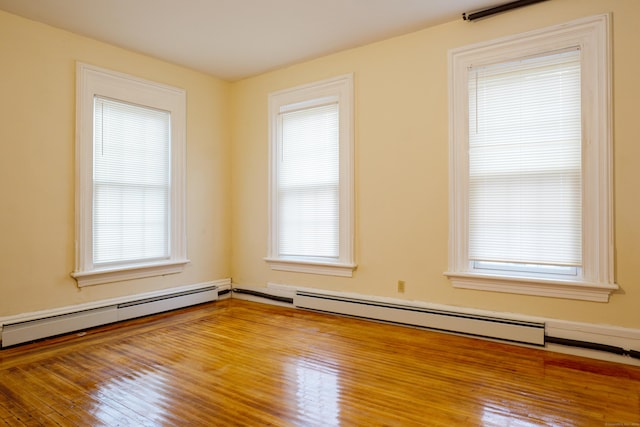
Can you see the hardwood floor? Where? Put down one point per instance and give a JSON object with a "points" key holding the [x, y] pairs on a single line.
{"points": [[238, 363]]}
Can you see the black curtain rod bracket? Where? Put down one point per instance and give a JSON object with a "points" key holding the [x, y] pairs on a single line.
{"points": [[498, 9]]}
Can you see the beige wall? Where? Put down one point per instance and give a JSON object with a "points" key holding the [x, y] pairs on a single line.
{"points": [[401, 165], [37, 131]]}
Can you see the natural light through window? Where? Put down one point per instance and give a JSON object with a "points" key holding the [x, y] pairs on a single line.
{"points": [[525, 175], [308, 183], [131, 183], [530, 163], [130, 180], [311, 174]]}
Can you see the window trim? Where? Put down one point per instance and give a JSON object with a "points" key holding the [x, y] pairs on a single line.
{"points": [[592, 36], [341, 89], [95, 81]]}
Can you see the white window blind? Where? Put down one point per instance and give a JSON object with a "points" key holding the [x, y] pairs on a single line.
{"points": [[525, 177], [131, 182], [308, 182]]}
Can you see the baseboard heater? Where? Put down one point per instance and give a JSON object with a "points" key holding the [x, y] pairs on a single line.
{"points": [[22, 332], [447, 321]]}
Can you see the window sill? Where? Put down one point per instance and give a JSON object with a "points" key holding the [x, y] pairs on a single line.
{"points": [[585, 291], [311, 266], [120, 273]]}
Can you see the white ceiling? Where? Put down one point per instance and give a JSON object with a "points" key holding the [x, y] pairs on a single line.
{"points": [[233, 39]]}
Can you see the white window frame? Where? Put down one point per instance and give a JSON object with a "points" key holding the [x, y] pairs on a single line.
{"points": [[339, 89], [94, 81], [592, 36]]}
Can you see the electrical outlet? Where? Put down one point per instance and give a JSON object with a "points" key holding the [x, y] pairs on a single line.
{"points": [[401, 286]]}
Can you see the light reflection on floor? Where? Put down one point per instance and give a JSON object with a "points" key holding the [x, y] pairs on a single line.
{"points": [[501, 417], [318, 393], [493, 418], [143, 394]]}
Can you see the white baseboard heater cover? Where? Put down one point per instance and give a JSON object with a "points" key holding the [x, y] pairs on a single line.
{"points": [[448, 321], [21, 332]]}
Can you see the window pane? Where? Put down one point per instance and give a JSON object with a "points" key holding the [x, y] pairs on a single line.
{"points": [[525, 177], [308, 182], [131, 183]]}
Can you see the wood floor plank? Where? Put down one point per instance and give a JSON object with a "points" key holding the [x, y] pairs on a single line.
{"points": [[238, 363]]}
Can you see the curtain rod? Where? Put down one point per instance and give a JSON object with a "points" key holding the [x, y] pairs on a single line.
{"points": [[498, 9]]}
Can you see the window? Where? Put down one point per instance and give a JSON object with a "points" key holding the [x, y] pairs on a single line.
{"points": [[311, 174], [130, 178], [530, 163]]}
